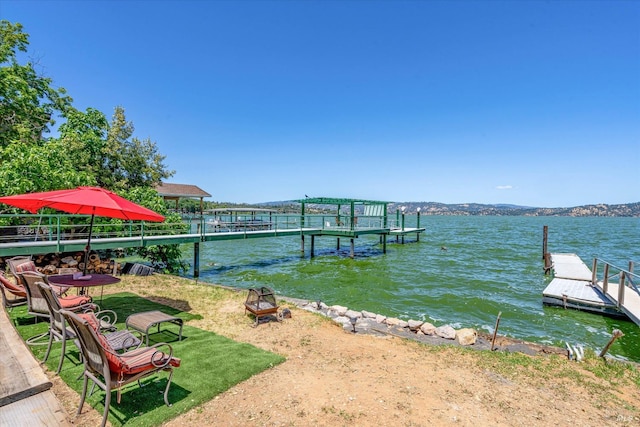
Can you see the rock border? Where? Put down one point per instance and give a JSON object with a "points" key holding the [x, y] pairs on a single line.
{"points": [[366, 322]]}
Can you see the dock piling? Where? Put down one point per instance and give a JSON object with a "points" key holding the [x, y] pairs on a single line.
{"points": [[495, 331], [617, 333]]}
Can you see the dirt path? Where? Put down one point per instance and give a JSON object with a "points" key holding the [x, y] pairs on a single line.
{"points": [[336, 378]]}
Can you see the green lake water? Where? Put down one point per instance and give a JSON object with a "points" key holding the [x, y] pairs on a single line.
{"points": [[490, 265]]}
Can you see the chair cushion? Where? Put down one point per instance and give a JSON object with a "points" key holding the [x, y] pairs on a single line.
{"points": [[91, 319], [135, 361], [27, 265], [74, 301], [12, 287]]}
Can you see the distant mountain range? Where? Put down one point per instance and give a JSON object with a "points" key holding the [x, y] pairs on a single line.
{"points": [[434, 208]]}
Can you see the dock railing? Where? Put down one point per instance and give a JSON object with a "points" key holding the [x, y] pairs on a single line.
{"points": [[53, 231], [628, 281]]}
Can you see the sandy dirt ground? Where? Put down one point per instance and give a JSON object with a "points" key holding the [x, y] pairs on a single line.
{"points": [[332, 377]]}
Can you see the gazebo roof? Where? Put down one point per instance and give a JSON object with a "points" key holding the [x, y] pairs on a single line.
{"points": [[167, 190]]}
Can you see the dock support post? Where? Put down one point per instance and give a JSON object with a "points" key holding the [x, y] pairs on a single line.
{"points": [[196, 260], [621, 289], [384, 243], [338, 244], [545, 233], [594, 272], [617, 333], [605, 279], [353, 252], [313, 245], [495, 331], [302, 244]]}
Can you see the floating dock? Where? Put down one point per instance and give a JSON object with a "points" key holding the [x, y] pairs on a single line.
{"points": [[572, 287], [575, 286]]}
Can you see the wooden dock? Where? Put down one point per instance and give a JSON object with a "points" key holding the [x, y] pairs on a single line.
{"points": [[576, 286], [26, 398], [571, 287]]}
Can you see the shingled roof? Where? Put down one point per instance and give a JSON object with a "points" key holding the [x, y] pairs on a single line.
{"points": [[170, 191]]}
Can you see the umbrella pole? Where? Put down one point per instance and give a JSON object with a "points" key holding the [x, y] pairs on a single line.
{"points": [[88, 247]]}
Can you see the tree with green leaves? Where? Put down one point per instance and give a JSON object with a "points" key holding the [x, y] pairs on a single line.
{"points": [[89, 150], [28, 102]]}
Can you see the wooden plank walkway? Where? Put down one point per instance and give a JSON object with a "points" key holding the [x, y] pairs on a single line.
{"points": [[26, 398]]}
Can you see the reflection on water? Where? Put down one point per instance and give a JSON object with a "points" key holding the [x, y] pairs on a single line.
{"points": [[490, 265]]}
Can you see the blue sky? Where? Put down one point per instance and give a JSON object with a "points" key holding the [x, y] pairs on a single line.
{"points": [[533, 103]]}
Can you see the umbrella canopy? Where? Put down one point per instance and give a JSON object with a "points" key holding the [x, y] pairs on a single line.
{"points": [[85, 201]]}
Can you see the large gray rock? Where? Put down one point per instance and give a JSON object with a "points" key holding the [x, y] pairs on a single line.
{"points": [[393, 321], [446, 332], [466, 336], [380, 318], [352, 313], [414, 325], [368, 314], [428, 328], [339, 310]]}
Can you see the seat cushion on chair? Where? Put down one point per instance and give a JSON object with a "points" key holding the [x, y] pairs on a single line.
{"points": [[135, 361], [12, 287], [74, 301]]}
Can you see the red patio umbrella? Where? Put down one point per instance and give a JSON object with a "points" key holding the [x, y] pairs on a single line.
{"points": [[84, 200]]}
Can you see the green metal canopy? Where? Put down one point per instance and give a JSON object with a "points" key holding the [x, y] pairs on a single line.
{"points": [[339, 201]]}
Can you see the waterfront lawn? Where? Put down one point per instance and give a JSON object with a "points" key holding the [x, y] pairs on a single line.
{"points": [[210, 365]]}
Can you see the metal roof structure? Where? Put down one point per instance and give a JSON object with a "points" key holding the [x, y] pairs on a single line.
{"points": [[339, 201]]}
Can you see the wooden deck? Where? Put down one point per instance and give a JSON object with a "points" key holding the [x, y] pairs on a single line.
{"points": [[26, 398]]}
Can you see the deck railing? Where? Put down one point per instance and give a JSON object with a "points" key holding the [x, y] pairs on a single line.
{"points": [[63, 228], [628, 281]]}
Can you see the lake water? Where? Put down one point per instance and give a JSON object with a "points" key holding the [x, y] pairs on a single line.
{"points": [[490, 265]]}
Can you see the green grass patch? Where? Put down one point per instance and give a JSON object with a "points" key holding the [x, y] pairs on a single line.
{"points": [[210, 365]]}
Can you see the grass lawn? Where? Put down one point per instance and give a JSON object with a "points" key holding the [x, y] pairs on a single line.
{"points": [[210, 364]]}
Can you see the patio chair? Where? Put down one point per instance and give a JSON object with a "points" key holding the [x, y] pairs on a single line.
{"points": [[12, 295], [36, 304], [22, 264], [112, 371], [104, 320]]}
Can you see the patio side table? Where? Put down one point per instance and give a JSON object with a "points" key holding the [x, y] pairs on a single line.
{"points": [[145, 320]]}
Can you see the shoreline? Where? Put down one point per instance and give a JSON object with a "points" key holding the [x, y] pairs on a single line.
{"points": [[400, 329]]}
